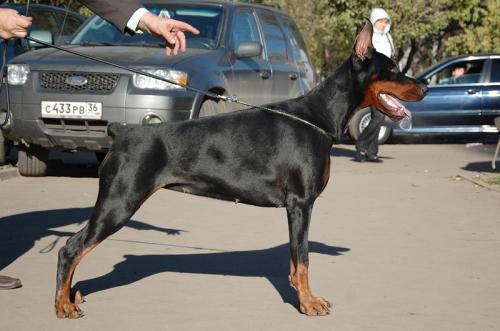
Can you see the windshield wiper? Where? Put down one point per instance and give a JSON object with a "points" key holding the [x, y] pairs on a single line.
{"points": [[95, 43], [143, 44]]}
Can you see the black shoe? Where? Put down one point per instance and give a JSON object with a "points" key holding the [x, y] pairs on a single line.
{"points": [[373, 158], [359, 157], [7, 283]]}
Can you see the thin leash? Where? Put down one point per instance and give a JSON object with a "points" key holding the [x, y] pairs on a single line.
{"points": [[225, 98]]}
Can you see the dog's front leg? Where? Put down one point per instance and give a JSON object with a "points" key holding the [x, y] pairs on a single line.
{"points": [[298, 226]]}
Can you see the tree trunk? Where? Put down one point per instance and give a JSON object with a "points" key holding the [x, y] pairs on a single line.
{"points": [[407, 59]]}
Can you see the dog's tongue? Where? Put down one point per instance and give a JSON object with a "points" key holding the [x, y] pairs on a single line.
{"points": [[398, 110]]}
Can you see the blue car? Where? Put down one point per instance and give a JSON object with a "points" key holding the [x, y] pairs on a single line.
{"points": [[463, 98]]}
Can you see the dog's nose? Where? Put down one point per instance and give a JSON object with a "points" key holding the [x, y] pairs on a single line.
{"points": [[423, 85]]}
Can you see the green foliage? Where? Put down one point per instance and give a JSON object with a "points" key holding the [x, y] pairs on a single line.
{"points": [[479, 28], [430, 29]]}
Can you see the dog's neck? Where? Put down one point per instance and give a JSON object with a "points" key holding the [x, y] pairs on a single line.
{"points": [[330, 104]]}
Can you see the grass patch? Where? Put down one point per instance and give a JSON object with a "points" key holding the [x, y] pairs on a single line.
{"points": [[494, 180]]}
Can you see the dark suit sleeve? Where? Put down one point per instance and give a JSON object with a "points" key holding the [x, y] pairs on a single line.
{"points": [[115, 12]]}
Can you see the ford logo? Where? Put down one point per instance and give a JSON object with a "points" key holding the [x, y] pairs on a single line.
{"points": [[76, 80]]}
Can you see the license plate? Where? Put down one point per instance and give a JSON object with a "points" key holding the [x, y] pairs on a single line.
{"points": [[59, 109]]}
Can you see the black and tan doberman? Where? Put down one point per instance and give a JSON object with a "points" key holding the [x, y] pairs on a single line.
{"points": [[254, 156]]}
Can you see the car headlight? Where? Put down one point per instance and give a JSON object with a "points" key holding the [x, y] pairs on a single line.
{"points": [[17, 74], [145, 82]]}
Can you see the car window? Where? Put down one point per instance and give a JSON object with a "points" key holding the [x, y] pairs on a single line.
{"points": [[244, 28], [208, 19], [298, 46], [69, 23], [495, 71], [45, 20], [462, 72], [275, 41]]}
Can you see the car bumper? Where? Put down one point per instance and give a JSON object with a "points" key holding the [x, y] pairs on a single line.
{"points": [[440, 129], [27, 124]]}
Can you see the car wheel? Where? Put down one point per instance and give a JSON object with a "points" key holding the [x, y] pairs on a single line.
{"points": [[211, 107], [32, 161], [360, 121], [3, 150]]}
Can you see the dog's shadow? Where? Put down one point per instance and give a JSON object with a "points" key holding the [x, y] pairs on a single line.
{"points": [[272, 263], [20, 232]]}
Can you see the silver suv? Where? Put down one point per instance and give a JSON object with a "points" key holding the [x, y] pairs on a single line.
{"points": [[63, 102]]}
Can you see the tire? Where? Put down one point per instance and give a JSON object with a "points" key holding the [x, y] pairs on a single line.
{"points": [[360, 121], [211, 107], [32, 161], [3, 149]]}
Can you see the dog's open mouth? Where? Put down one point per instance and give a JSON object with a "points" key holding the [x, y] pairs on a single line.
{"points": [[395, 110]]}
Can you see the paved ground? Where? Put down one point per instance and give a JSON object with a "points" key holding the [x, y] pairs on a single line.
{"points": [[401, 245]]}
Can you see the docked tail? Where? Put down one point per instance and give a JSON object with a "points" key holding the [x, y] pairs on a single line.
{"points": [[115, 129]]}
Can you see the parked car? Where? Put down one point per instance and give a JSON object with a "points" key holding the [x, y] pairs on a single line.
{"points": [[60, 22], [467, 104], [63, 102]]}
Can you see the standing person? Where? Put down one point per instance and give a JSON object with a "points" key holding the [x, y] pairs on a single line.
{"points": [[129, 16], [367, 143]]}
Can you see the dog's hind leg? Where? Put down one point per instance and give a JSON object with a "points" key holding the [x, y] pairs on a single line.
{"points": [[117, 201], [299, 216]]}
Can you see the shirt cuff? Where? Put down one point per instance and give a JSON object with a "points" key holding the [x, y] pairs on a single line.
{"points": [[133, 22]]}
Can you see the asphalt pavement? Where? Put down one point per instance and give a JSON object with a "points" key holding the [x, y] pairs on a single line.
{"points": [[413, 244]]}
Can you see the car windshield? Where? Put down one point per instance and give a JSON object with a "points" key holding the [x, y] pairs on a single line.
{"points": [[207, 19]]}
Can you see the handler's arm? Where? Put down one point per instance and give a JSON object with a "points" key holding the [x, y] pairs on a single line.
{"points": [[13, 25], [117, 13], [130, 16]]}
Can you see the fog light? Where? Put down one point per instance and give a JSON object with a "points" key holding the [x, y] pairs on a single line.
{"points": [[151, 119], [17, 74]]}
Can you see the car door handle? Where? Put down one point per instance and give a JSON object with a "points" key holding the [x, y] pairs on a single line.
{"points": [[293, 76], [472, 91], [265, 74]]}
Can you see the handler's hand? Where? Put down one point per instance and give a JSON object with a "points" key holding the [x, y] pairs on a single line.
{"points": [[170, 30], [13, 25]]}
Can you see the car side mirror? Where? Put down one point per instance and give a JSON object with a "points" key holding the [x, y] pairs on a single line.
{"points": [[248, 49], [43, 35]]}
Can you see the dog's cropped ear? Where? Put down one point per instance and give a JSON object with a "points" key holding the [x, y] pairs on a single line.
{"points": [[363, 48]]}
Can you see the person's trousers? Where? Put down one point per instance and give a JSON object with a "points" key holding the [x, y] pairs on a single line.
{"points": [[368, 139]]}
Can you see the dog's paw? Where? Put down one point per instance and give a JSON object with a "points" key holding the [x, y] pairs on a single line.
{"points": [[69, 310], [315, 306]]}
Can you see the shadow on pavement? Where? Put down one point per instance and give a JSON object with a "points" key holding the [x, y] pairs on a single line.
{"points": [[484, 166], [342, 152], [18, 233], [272, 263], [82, 164], [444, 139], [58, 168]]}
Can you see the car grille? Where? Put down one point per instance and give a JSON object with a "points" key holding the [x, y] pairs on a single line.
{"points": [[75, 126], [96, 82]]}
